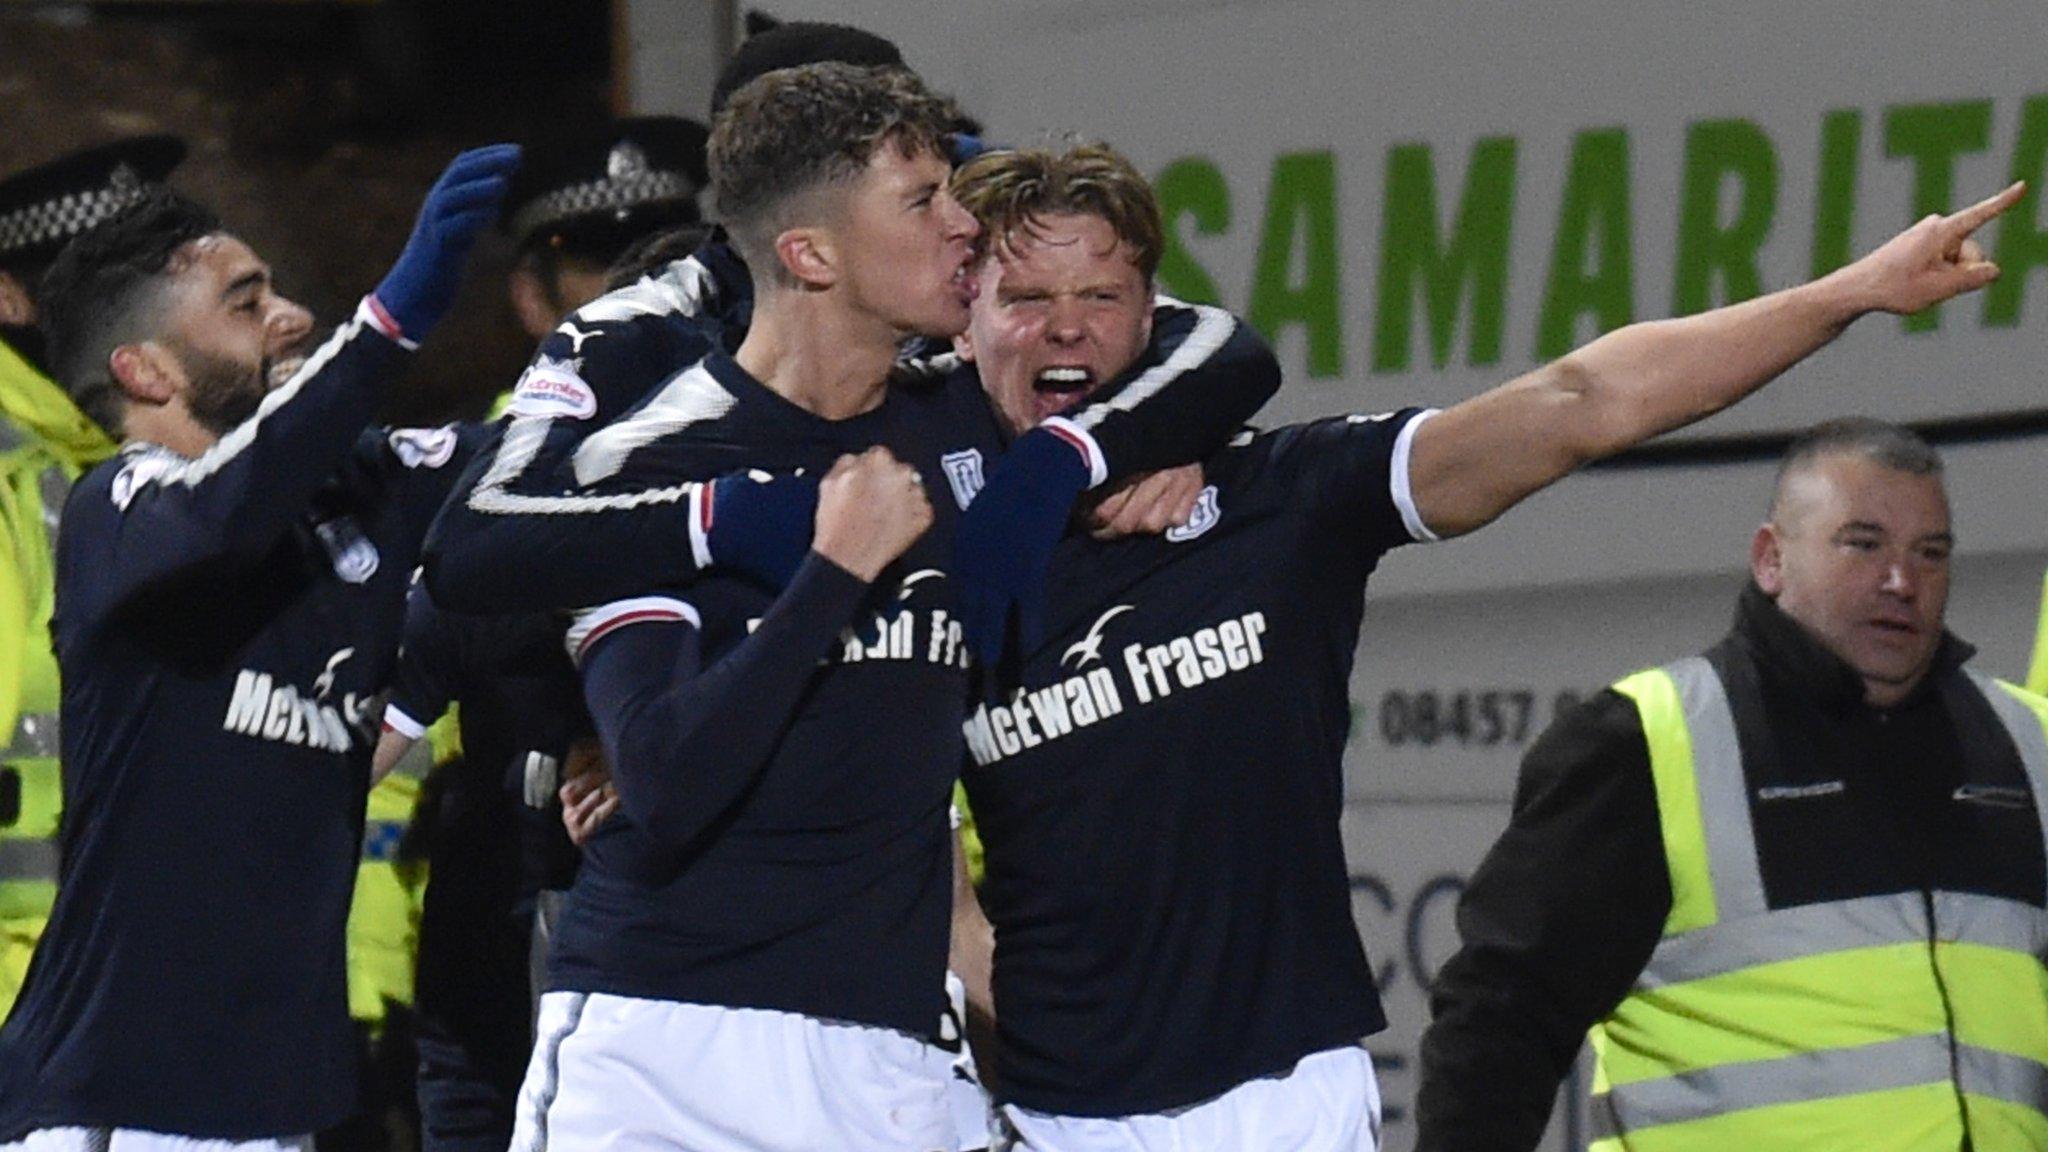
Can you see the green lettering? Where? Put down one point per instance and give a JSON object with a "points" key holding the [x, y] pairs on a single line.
{"points": [[2022, 242], [1932, 136], [1595, 216], [1716, 150], [1301, 213], [1834, 203], [1473, 263], [1191, 186]]}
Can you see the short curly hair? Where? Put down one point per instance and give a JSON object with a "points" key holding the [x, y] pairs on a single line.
{"points": [[1011, 191], [791, 132]]}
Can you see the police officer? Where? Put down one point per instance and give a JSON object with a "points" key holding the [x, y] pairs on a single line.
{"points": [[1794, 886], [45, 442], [588, 195]]}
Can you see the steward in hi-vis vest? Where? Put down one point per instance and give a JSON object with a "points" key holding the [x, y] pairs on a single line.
{"points": [[1795, 888], [1891, 1019]]}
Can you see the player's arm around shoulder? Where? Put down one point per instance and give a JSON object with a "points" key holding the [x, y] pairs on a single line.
{"points": [[1204, 372]]}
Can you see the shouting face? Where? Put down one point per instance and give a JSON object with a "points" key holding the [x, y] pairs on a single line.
{"points": [[1063, 309]]}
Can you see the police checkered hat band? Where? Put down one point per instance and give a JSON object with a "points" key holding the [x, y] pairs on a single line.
{"points": [[592, 180], [44, 207], [599, 197]]}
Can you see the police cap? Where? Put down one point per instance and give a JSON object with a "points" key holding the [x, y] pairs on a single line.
{"points": [[596, 190], [44, 207]]}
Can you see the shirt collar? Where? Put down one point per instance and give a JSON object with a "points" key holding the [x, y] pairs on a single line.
{"points": [[1795, 657]]}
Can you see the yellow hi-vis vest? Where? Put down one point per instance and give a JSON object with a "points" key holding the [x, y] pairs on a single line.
{"points": [[1878, 1024], [45, 442], [384, 916]]}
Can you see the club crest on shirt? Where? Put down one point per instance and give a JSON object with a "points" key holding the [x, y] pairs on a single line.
{"points": [[355, 558], [963, 473], [1203, 518]]}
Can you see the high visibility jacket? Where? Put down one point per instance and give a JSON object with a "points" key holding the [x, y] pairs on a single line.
{"points": [[44, 444], [384, 915], [1889, 1021]]}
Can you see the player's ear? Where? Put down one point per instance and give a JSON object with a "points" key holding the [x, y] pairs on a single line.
{"points": [[146, 372], [963, 346], [810, 257]]}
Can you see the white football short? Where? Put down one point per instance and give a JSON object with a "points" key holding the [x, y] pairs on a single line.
{"points": [[1329, 1102], [632, 1075], [137, 1140]]}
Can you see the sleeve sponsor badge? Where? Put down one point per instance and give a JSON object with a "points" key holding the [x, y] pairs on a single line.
{"points": [[552, 388]]}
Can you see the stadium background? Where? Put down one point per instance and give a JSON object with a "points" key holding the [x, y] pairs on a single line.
{"points": [[1414, 200]]}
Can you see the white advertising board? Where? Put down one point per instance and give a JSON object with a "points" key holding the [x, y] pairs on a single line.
{"points": [[1418, 200]]}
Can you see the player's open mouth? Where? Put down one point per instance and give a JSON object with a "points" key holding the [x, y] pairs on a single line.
{"points": [[1063, 380], [967, 283]]}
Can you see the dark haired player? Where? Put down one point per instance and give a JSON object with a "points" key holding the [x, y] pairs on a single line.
{"points": [[1176, 965], [229, 592], [753, 954], [539, 500]]}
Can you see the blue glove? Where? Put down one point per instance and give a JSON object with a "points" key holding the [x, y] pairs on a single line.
{"points": [[420, 287], [760, 526], [1002, 547]]}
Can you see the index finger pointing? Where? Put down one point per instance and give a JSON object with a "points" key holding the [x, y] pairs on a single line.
{"points": [[1976, 215]]}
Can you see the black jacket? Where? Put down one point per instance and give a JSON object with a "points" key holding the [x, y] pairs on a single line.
{"points": [[1565, 910]]}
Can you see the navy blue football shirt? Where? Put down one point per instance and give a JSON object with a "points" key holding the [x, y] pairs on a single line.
{"points": [[1159, 800], [223, 626]]}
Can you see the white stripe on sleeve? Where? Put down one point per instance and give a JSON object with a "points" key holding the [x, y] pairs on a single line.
{"points": [[1403, 490], [396, 720], [1082, 442], [594, 624], [1213, 326]]}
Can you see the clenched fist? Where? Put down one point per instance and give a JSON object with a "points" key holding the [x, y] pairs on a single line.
{"points": [[871, 508]]}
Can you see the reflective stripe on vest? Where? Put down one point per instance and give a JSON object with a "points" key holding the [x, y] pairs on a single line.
{"points": [[28, 844], [1858, 1023], [383, 917]]}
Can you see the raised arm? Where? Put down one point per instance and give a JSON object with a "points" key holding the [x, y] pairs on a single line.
{"points": [[174, 513], [1479, 458], [519, 533]]}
